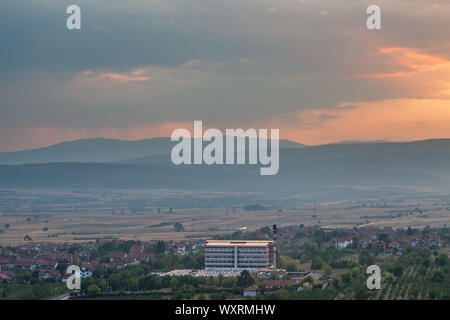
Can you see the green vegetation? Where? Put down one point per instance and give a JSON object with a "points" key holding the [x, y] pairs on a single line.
{"points": [[416, 274], [27, 286], [162, 224], [178, 227]]}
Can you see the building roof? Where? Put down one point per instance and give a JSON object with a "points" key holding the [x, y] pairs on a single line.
{"points": [[252, 288], [342, 239], [53, 273], [4, 276], [315, 275], [239, 243]]}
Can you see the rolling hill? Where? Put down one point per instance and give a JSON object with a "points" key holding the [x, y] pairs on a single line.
{"points": [[420, 163], [99, 150]]}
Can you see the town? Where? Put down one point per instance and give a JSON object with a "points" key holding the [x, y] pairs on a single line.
{"points": [[289, 262]]}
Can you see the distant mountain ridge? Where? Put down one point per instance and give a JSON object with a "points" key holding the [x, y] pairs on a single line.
{"points": [[411, 164], [360, 141], [87, 150], [99, 150]]}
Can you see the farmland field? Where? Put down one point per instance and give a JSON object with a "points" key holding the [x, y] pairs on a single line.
{"points": [[85, 215]]}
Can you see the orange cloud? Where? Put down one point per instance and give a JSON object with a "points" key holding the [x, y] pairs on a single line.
{"points": [[396, 120], [413, 60], [133, 76]]}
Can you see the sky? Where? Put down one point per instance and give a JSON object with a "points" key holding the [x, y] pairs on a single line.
{"points": [[142, 68]]}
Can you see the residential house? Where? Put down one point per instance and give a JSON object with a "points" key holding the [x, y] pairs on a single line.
{"points": [[304, 285], [251, 291], [180, 249], [6, 263], [343, 242], [46, 264], [24, 264], [49, 274]]}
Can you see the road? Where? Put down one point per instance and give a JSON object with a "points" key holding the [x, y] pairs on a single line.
{"points": [[65, 296]]}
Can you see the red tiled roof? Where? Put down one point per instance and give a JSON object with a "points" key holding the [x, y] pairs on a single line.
{"points": [[53, 273], [23, 263], [4, 276], [343, 239]]}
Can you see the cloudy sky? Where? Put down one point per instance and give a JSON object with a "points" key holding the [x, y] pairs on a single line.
{"points": [[141, 68]]}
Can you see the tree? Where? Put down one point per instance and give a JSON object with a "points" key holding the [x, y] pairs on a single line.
{"points": [[178, 227], [361, 293], [62, 267], [134, 284], [397, 270], [365, 258], [174, 283], [288, 263], [384, 237], [346, 278], [161, 247], [281, 294], [426, 262], [98, 271], [93, 290], [316, 263], [115, 281], [438, 277], [327, 269], [220, 296], [245, 279], [150, 282], [442, 260], [410, 231]]}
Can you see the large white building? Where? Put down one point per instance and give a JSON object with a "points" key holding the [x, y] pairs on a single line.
{"points": [[238, 255]]}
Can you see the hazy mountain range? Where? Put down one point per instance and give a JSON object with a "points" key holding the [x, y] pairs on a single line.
{"points": [[107, 163], [99, 150]]}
